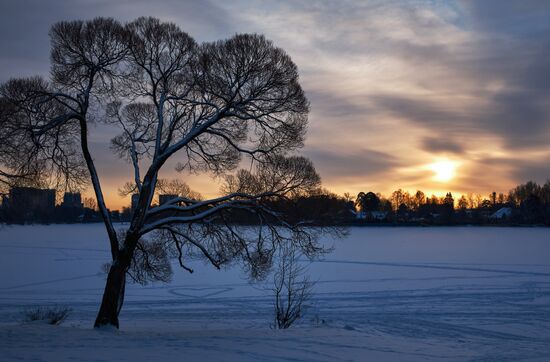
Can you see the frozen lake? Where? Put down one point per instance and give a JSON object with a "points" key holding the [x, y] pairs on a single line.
{"points": [[403, 294]]}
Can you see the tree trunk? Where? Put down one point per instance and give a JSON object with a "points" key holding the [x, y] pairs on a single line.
{"points": [[113, 296]]}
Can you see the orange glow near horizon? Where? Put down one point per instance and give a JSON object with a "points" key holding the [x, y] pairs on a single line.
{"points": [[116, 202]]}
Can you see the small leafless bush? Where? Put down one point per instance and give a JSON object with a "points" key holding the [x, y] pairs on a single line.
{"points": [[292, 288], [51, 315]]}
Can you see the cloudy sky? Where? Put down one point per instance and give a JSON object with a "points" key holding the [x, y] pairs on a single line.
{"points": [[395, 86]]}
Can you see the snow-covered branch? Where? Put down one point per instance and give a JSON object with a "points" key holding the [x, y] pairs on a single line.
{"points": [[209, 104]]}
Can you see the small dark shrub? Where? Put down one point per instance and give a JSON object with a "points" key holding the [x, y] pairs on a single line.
{"points": [[292, 288], [51, 315]]}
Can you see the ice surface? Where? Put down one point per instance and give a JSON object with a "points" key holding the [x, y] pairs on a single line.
{"points": [[384, 294]]}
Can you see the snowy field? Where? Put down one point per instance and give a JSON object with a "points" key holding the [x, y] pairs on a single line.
{"points": [[384, 294]]}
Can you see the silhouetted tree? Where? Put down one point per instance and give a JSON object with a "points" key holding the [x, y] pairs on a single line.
{"points": [[398, 198], [206, 104], [545, 192], [462, 203], [532, 209], [50, 161], [522, 192], [486, 205], [419, 199], [368, 202], [448, 200]]}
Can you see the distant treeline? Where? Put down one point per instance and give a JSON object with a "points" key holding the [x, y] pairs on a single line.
{"points": [[526, 204]]}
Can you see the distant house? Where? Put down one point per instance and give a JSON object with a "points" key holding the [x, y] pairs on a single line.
{"points": [[378, 215], [502, 213], [371, 215]]}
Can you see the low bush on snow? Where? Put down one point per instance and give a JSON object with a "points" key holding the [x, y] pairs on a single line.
{"points": [[51, 315]]}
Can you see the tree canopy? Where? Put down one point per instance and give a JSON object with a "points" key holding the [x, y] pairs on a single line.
{"points": [[207, 105]]}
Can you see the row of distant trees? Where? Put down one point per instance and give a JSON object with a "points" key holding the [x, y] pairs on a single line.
{"points": [[528, 203]]}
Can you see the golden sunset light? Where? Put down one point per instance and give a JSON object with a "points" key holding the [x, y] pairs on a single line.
{"points": [[444, 170]]}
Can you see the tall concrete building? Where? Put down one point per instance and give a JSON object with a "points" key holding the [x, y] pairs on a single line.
{"points": [[72, 199], [31, 204]]}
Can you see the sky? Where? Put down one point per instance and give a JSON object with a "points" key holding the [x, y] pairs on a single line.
{"points": [[431, 95]]}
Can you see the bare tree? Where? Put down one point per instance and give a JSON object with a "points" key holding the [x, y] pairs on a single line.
{"points": [[207, 105], [178, 188], [291, 287], [90, 203], [50, 159]]}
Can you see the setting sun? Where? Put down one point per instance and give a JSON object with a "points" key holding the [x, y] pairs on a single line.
{"points": [[444, 170]]}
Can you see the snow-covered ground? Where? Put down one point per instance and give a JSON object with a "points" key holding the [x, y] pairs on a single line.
{"points": [[384, 294]]}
